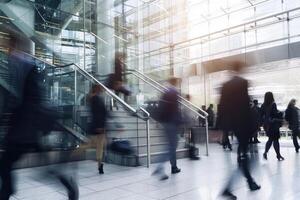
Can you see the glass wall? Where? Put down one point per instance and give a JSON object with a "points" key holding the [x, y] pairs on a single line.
{"points": [[159, 37], [280, 77], [208, 29]]}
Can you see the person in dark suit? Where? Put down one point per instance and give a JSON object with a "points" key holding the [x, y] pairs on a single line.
{"points": [[30, 117], [257, 121], [292, 117], [235, 115], [272, 121], [116, 80], [211, 116]]}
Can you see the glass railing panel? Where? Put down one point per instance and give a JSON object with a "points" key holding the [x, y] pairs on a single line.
{"points": [[147, 92], [141, 91], [57, 96], [122, 125]]}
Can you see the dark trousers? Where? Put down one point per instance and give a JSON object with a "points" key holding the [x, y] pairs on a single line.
{"points": [[295, 133], [171, 131], [172, 137], [243, 161], [12, 154], [122, 89], [225, 139], [9, 157], [276, 145]]}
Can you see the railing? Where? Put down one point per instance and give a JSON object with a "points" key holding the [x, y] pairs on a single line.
{"points": [[187, 104], [78, 69]]}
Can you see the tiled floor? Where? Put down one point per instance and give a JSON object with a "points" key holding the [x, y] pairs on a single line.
{"points": [[202, 179]]}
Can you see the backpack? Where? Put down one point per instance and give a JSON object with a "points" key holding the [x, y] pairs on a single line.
{"points": [[272, 119]]}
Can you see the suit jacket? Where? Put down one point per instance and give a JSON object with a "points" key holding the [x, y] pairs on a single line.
{"points": [[99, 114], [33, 113], [235, 111], [169, 107], [292, 117]]}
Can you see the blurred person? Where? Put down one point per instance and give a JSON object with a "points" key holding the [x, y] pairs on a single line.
{"points": [[170, 117], [119, 70], [189, 122], [30, 117], [292, 117], [272, 121], [257, 121], [201, 120], [225, 142], [211, 115], [235, 115], [3, 94], [98, 125], [115, 81]]}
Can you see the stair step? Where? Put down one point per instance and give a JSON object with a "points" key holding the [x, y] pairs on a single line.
{"points": [[157, 147], [141, 159]]}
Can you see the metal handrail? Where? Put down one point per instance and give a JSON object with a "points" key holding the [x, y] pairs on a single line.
{"points": [[114, 96], [189, 105], [145, 117], [162, 88], [148, 135], [86, 74]]}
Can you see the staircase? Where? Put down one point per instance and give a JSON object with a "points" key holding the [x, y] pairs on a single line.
{"points": [[133, 129], [130, 126]]}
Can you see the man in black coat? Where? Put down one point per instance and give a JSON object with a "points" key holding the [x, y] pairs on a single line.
{"points": [[292, 117], [211, 116], [256, 112], [235, 115], [30, 117]]}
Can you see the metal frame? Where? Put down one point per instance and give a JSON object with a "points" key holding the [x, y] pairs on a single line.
{"points": [[187, 43]]}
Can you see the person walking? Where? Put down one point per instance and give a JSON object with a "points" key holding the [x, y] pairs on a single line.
{"points": [[189, 121], [235, 115], [292, 117], [272, 121], [98, 125], [116, 80], [257, 121], [225, 142], [170, 117], [211, 116], [30, 116]]}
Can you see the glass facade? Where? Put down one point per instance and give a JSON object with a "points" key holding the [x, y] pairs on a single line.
{"points": [[159, 37]]}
